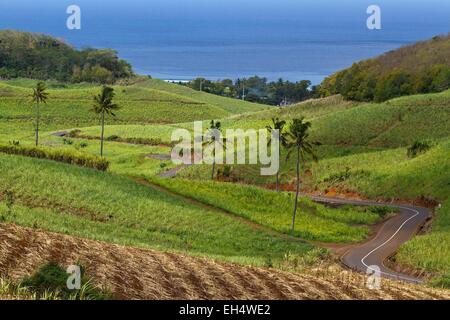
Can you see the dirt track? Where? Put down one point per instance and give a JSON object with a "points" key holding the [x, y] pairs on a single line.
{"points": [[132, 273]]}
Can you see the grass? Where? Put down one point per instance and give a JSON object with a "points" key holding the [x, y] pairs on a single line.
{"points": [[383, 125], [12, 291], [102, 206], [364, 151], [68, 108], [378, 173], [72, 157], [274, 210], [49, 283], [124, 158], [386, 174], [396, 123], [431, 252], [75, 111], [162, 132], [52, 278], [233, 106], [391, 174], [311, 109], [341, 125], [328, 225], [143, 103]]}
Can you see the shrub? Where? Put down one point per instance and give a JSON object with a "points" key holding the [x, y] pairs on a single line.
{"points": [[66, 156], [14, 143], [52, 278], [67, 141], [339, 177], [112, 138], [116, 138], [74, 133], [312, 258], [145, 141], [441, 282], [225, 172], [418, 147], [382, 211], [10, 200]]}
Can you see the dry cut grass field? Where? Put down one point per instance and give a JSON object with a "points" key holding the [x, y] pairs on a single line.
{"points": [[131, 273]]}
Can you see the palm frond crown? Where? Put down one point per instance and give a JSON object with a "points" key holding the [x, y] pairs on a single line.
{"points": [[103, 102], [39, 93], [298, 137], [279, 125]]}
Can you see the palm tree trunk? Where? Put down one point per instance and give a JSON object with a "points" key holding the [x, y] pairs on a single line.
{"points": [[214, 163], [277, 181], [278, 172], [37, 123], [297, 191], [103, 133]]}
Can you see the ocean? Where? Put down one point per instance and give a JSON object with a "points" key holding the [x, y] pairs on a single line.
{"points": [[216, 39]]}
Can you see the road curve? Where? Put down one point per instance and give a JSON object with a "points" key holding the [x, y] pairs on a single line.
{"points": [[393, 233]]}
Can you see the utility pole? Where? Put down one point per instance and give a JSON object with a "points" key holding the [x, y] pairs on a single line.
{"points": [[201, 85], [243, 90]]}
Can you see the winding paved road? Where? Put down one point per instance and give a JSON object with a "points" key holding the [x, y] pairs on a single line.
{"points": [[393, 233]]}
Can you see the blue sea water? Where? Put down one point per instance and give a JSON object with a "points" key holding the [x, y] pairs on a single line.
{"points": [[217, 39]]}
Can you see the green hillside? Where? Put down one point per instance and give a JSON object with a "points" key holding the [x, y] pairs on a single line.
{"points": [[233, 106], [39, 56], [423, 67], [363, 151], [311, 109], [107, 207], [395, 123], [70, 104]]}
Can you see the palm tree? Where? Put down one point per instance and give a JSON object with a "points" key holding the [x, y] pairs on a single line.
{"points": [[39, 95], [103, 105], [211, 139], [277, 131], [298, 141]]}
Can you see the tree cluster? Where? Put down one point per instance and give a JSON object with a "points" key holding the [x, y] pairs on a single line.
{"points": [[256, 89], [421, 68], [37, 56]]}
